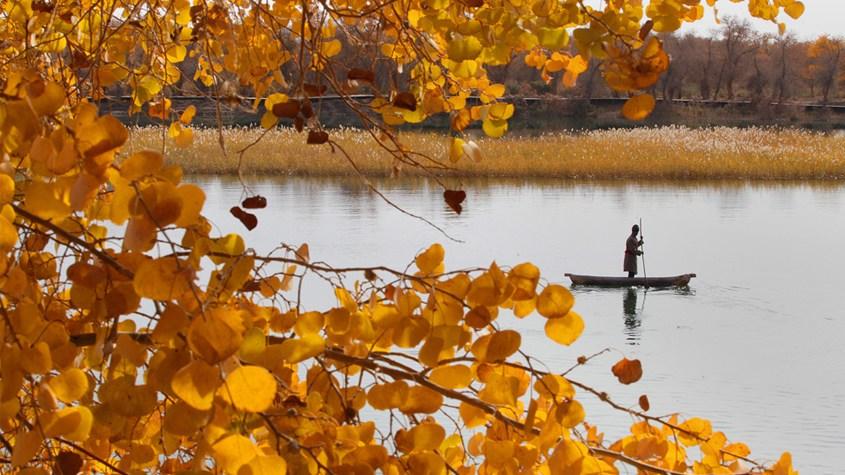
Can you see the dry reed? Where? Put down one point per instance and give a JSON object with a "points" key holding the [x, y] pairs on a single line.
{"points": [[643, 153]]}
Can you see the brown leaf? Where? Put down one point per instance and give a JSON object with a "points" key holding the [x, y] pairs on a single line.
{"points": [[67, 463], [370, 275], [307, 110], [317, 137], [646, 29], [405, 100], [454, 198], [628, 371], [254, 202], [288, 109], [474, 3], [358, 74], [644, 405], [314, 90], [248, 219], [42, 6], [251, 286]]}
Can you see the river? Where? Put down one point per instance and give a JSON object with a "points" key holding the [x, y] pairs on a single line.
{"points": [[755, 344]]}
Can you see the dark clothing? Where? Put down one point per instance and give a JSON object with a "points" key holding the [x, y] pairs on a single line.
{"points": [[631, 253]]}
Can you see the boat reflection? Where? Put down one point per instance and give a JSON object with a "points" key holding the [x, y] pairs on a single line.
{"points": [[632, 313]]}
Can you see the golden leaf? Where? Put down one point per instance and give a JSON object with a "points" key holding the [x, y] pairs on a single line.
{"points": [[249, 388], [196, 383]]}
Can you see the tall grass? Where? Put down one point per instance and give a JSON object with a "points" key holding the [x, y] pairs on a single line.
{"points": [[646, 153]]}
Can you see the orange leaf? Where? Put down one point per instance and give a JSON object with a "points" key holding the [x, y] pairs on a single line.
{"points": [[628, 371], [638, 107]]}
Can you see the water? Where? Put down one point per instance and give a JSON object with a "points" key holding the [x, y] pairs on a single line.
{"points": [[755, 344]]}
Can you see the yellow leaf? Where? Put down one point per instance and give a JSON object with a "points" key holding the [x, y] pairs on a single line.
{"points": [[166, 278], [176, 53], [331, 48], [182, 419], [422, 400], [195, 384], [427, 436], [795, 10], [472, 415], [452, 377], [72, 423], [188, 115], [46, 97], [264, 465], [431, 260], [269, 120], [462, 49], [566, 329], [141, 164], [388, 396], [500, 390], [193, 199], [300, 349], [42, 200], [26, 446], [696, 430], [494, 128], [498, 346], [70, 385], [554, 387], [249, 388], [7, 189], [8, 234], [36, 360], [554, 301], [456, 149], [784, 465], [638, 107], [234, 451], [216, 335], [569, 413]]}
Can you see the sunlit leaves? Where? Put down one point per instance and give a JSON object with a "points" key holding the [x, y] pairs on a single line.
{"points": [[217, 334], [196, 384], [233, 452], [72, 423], [249, 388], [26, 446], [163, 279], [137, 332], [70, 385]]}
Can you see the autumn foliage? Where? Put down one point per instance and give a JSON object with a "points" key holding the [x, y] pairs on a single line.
{"points": [[134, 339]]}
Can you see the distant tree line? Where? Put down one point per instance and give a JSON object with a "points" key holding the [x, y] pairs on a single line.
{"points": [[735, 62]]}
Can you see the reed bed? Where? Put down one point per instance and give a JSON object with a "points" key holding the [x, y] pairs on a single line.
{"points": [[674, 153]]}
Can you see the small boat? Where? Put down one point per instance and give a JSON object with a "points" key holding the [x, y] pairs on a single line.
{"points": [[608, 281]]}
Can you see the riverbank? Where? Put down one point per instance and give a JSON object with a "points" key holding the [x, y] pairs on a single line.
{"points": [[675, 153]]}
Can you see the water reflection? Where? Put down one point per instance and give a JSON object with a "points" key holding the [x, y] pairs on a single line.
{"points": [[631, 312]]}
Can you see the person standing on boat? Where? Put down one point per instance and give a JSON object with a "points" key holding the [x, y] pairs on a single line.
{"points": [[632, 250]]}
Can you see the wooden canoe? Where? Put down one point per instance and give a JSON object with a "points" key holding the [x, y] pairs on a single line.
{"points": [[607, 281]]}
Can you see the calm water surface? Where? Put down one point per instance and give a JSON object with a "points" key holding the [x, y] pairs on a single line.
{"points": [[755, 344]]}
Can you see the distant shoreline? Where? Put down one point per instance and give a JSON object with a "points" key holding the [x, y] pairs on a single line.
{"points": [[660, 153]]}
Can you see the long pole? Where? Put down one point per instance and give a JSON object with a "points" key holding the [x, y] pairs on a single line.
{"points": [[645, 274]]}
